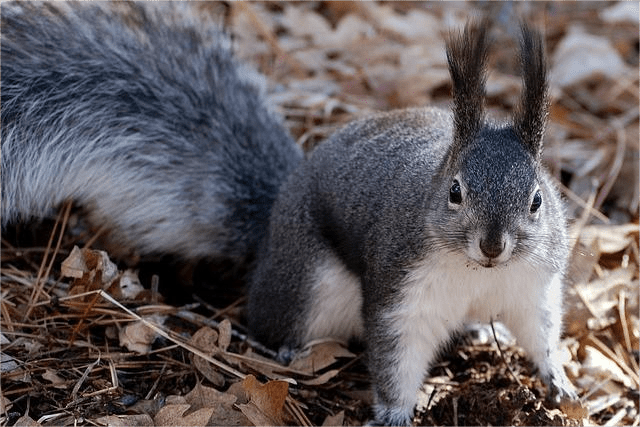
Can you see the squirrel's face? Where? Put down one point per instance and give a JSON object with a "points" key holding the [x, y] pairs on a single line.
{"points": [[494, 199]]}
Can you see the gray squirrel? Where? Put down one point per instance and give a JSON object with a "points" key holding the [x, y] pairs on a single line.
{"points": [[397, 230]]}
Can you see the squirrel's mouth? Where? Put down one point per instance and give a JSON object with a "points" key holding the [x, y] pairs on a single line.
{"points": [[489, 264], [485, 262]]}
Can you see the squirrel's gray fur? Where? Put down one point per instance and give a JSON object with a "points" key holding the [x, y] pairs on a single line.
{"points": [[397, 230]]}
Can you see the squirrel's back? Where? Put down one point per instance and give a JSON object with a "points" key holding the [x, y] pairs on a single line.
{"points": [[143, 117]]}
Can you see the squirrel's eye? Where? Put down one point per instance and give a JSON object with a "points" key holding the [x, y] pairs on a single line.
{"points": [[537, 201], [455, 193]]}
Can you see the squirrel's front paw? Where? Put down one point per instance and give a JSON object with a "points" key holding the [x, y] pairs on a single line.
{"points": [[391, 417], [560, 389]]}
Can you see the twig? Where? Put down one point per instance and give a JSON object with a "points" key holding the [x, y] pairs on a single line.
{"points": [[495, 337], [37, 290], [174, 339]]}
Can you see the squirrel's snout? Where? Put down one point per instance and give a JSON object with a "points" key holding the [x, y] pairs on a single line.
{"points": [[492, 247]]}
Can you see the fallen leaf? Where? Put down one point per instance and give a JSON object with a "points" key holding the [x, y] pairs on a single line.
{"points": [[138, 336], [137, 420], [74, 265], [206, 339], [177, 415], [609, 239], [129, 286], [599, 366], [55, 379], [580, 56], [224, 329], [318, 356], [27, 421], [222, 404], [266, 401], [321, 379], [91, 269], [334, 420]]}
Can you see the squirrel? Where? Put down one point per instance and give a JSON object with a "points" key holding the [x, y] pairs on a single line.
{"points": [[398, 229]]}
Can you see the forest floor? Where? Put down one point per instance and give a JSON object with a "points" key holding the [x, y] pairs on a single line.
{"points": [[84, 342]]}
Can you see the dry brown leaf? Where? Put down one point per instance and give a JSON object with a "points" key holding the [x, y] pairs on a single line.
{"points": [[138, 336], [318, 356], [582, 56], [334, 420], [266, 366], [55, 379], [91, 269], [321, 379], [177, 415], [601, 294], [27, 421], [266, 401], [5, 406], [137, 420], [74, 265], [609, 239], [224, 329], [222, 404], [256, 416], [128, 287], [149, 407], [600, 367], [307, 24], [206, 339]]}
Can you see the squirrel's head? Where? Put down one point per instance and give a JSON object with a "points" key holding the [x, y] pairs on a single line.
{"points": [[495, 198]]}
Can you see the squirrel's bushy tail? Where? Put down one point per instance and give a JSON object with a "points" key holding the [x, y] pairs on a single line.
{"points": [[140, 114]]}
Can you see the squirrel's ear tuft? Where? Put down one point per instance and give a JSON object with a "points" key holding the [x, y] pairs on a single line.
{"points": [[531, 116], [467, 58]]}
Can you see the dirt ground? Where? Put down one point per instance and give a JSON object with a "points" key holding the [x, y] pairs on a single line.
{"points": [[84, 341]]}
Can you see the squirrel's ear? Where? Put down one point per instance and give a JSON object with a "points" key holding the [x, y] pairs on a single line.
{"points": [[467, 59], [531, 116]]}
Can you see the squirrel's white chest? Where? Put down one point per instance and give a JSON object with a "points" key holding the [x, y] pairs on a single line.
{"points": [[452, 290], [437, 297]]}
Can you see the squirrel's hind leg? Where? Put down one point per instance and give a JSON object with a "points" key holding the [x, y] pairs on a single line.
{"points": [[335, 303], [302, 294]]}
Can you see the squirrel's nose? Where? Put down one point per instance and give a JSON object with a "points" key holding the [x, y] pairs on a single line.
{"points": [[492, 247]]}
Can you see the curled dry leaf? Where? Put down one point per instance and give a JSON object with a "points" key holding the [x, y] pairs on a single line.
{"points": [[319, 355], [138, 336], [55, 379], [74, 265], [599, 367], [222, 404], [179, 415], [206, 339], [90, 268], [128, 287], [334, 420], [27, 421], [581, 56], [609, 239], [266, 401], [137, 420], [224, 329]]}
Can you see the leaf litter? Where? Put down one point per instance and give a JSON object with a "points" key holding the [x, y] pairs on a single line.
{"points": [[84, 342]]}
